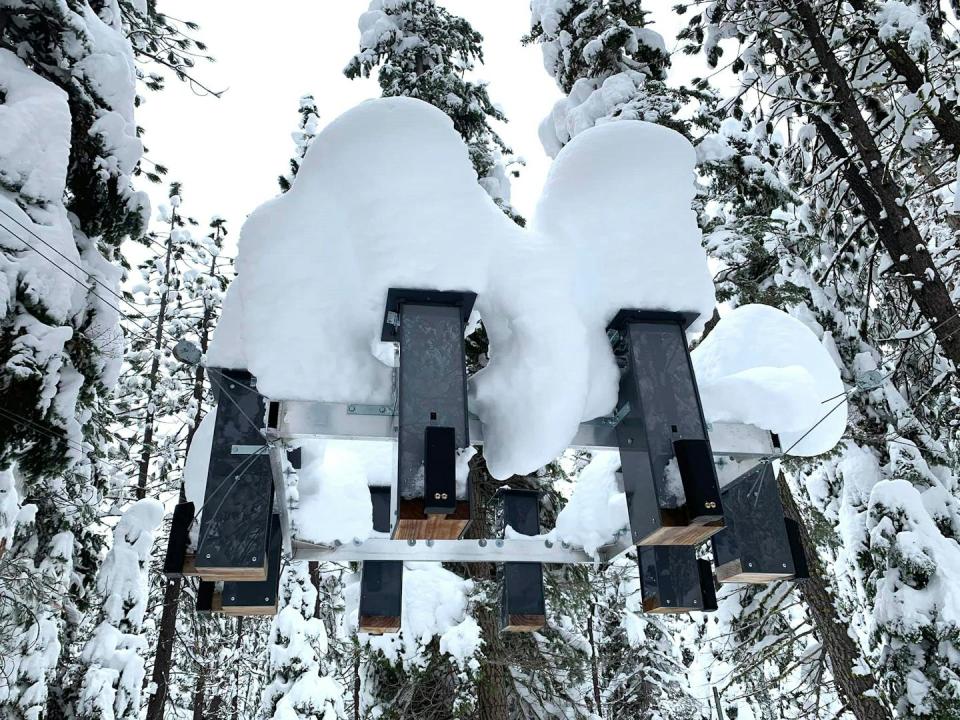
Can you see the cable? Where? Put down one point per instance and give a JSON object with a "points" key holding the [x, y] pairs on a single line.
{"points": [[225, 394], [237, 476], [815, 425]]}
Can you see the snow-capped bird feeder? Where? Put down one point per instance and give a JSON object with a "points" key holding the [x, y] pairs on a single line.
{"points": [[668, 473], [175, 561], [755, 545], [432, 396], [522, 604], [381, 581], [238, 502], [673, 580], [257, 598]]}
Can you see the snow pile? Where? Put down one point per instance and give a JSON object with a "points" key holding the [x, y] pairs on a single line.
{"points": [[435, 604], [763, 367], [387, 197], [331, 501], [597, 511], [622, 96]]}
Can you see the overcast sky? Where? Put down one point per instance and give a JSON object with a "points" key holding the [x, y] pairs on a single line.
{"points": [[228, 152]]}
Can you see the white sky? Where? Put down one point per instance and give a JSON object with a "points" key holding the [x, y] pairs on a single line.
{"points": [[229, 152]]}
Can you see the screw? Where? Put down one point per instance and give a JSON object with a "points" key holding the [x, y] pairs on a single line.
{"points": [[358, 542], [352, 408], [266, 599], [232, 598], [382, 410], [565, 545], [548, 543], [784, 564], [232, 386], [208, 556], [429, 543], [749, 564], [482, 542], [499, 543], [629, 441], [253, 559], [411, 542]]}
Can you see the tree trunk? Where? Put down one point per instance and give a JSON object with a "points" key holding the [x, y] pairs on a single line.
{"points": [[880, 195], [594, 670], [146, 453], [171, 593], [494, 676], [199, 692], [843, 653], [235, 710]]}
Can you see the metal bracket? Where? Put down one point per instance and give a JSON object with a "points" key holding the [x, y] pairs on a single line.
{"points": [[534, 549], [385, 410], [246, 449]]}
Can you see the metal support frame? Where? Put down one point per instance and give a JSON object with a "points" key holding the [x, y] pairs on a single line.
{"points": [[735, 447]]}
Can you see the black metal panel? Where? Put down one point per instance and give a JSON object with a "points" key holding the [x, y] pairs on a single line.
{"points": [[205, 593], [381, 594], [659, 406], [179, 540], [699, 477], [433, 386], [380, 499], [708, 587], [261, 594], [523, 604], [801, 571], [390, 332], [756, 531], [295, 458], [670, 578], [439, 470], [238, 502], [381, 581]]}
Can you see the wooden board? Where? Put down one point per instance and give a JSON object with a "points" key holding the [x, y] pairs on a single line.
{"points": [[652, 605], [682, 534], [190, 566], [228, 574], [414, 524], [525, 623], [378, 625], [248, 611], [733, 572]]}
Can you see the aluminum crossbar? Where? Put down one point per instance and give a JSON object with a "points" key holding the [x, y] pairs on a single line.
{"points": [[297, 419], [534, 549]]}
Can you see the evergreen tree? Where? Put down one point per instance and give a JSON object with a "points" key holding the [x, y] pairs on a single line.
{"points": [[113, 656], [608, 64], [425, 52], [299, 683], [302, 137]]}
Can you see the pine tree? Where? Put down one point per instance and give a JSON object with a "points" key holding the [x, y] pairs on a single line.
{"points": [[299, 683], [423, 51], [859, 245], [302, 137], [113, 655], [608, 64]]}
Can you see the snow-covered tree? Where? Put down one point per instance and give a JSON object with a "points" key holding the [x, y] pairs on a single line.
{"points": [[114, 654], [299, 682], [608, 63], [421, 50], [302, 137]]}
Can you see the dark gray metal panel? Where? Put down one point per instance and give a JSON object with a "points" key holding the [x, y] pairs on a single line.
{"points": [[756, 531], [205, 593], [238, 502], [801, 571], [523, 594], [670, 578], [708, 587], [381, 589], [179, 540], [659, 405], [260, 593], [433, 386], [380, 498], [439, 470]]}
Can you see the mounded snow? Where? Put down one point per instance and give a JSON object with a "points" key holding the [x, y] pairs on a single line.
{"points": [[764, 367], [387, 197]]}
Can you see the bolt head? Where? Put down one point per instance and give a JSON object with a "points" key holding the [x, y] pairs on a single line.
{"points": [[253, 559], [232, 598], [208, 556], [266, 599]]}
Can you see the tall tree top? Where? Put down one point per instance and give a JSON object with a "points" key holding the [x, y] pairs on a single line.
{"points": [[424, 51]]}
